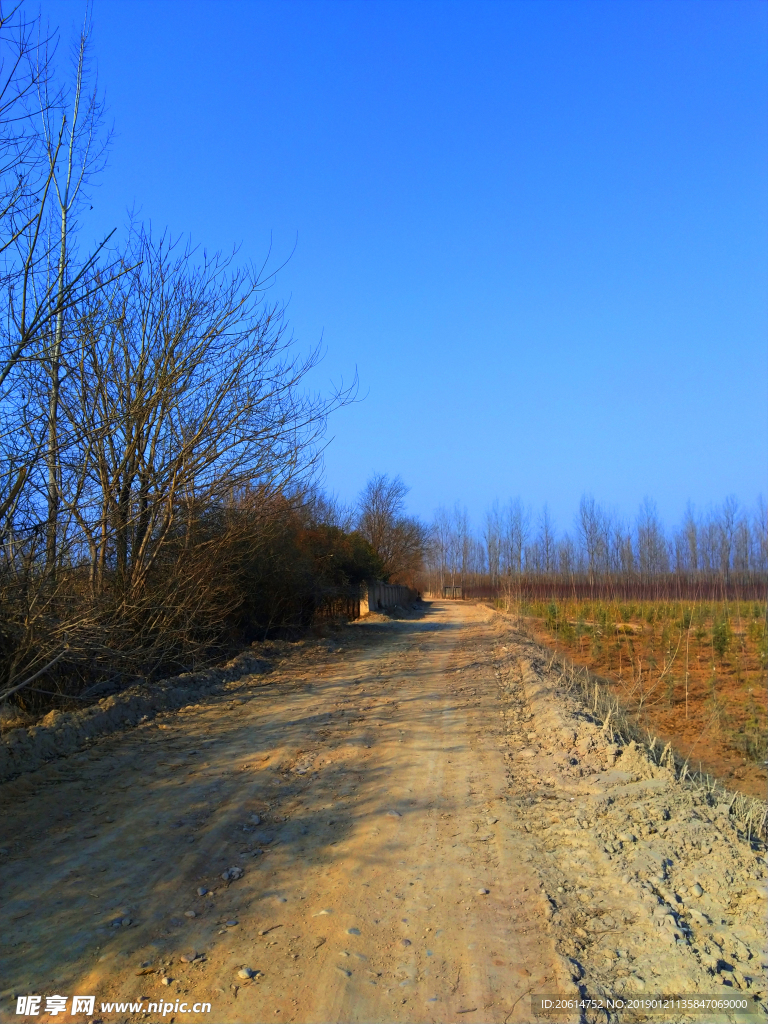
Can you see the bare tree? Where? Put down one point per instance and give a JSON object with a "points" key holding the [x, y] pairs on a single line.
{"points": [[652, 550], [492, 536], [439, 549], [517, 529], [546, 541], [728, 519], [47, 154], [759, 531], [74, 148], [186, 419], [591, 533], [201, 380], [398, 540]]}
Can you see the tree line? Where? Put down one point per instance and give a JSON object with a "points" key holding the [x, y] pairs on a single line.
{"points": [[721, 552], [159, 445]]}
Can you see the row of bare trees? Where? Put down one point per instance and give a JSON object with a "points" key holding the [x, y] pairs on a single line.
{"points": [[724, 547], [157, 439]]}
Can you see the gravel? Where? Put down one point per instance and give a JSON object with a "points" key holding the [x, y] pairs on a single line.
{"points": [[232, 874]]}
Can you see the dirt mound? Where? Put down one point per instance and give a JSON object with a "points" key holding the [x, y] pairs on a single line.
{"points": [[63, 732], [632, 860]]}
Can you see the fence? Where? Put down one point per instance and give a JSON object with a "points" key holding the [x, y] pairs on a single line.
{"points": [[369, 597], [378, 596]]}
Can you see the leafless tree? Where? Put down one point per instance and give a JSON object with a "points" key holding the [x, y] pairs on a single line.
{"points": [[186, 420], [398, 540], [517, 529], [546, 541], [492, 535], [74, 147], [438, 550], [759, 532], [590, 531], [652, 550]]}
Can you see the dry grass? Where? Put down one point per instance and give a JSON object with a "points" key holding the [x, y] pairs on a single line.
{"points": [[691, 673]]}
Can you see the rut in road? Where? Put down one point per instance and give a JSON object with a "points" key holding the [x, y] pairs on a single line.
{"points": [[405, 810]]}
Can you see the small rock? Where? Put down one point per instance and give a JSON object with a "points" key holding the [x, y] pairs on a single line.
{"points": [[256, 819], [232, 874], [230, 924], [491, 821], [405, 943], [344, 971], [245, 973], [202, 891], [627, 837], [126, 922], [166, 981], [697, 890], [353, 931], [483, 892], [190, 957], [189, 913]]}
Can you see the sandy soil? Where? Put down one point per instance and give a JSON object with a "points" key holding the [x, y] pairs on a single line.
{"points": [[414, 826]]}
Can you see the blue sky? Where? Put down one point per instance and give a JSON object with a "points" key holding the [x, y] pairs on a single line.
{"points": [[537, 230]]}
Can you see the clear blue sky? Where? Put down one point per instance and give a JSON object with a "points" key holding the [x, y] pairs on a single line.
{"points": [[538, 230]]}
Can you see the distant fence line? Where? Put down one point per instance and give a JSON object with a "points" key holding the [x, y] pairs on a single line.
{"points": [[671, 587]]}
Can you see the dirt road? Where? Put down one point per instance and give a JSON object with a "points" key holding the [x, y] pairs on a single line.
{"points": [[400, 823]]}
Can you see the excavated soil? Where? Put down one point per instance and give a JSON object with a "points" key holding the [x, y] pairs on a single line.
{"points": [[406, 822]]}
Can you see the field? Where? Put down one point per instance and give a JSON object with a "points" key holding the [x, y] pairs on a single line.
{"points": [[694, 673]]}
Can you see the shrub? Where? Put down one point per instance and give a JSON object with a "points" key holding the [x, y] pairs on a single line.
{"points": [[721, 636]]}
